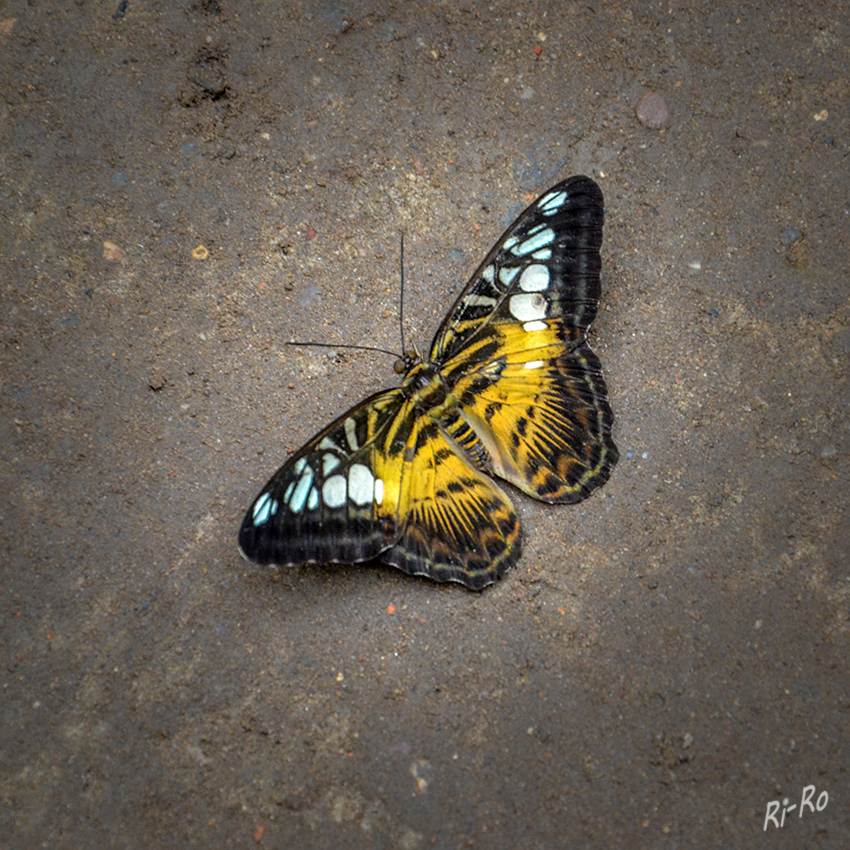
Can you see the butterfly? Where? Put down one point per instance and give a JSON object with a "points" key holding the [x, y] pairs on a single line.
{"points": [[510, 389]]}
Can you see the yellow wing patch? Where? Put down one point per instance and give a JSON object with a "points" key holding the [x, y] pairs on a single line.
{"points": [[454, 523], [547, 425]]}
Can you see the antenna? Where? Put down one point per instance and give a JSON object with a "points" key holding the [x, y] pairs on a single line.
{"points": [[343, 345], [401, 296], [406, 359]]}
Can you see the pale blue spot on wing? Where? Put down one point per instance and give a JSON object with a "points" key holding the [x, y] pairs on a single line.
{"points": [[507, 275], [551, 203], [264, 508], [313, 499], [533, 243], [302, 490], [329, 464]]}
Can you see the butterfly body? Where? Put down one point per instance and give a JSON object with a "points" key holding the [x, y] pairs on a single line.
{"points": [[510, 390]]}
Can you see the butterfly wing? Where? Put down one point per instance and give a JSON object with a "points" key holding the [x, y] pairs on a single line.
{"points": [[328, 503], [545, 421], [514, 349], [455, 523], [385, 480]]}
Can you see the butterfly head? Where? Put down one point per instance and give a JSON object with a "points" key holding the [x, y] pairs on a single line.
{"points": [[407, 361]]}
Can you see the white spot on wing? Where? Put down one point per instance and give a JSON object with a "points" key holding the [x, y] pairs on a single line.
{"points": [[379, 491], [488, 274], [535, 278], [530, 327], [351, 434], [361, 485], [528, 307], [509, 243], [328, 443], [479, 301], [543, 254], [334, 491], [534, 364]]}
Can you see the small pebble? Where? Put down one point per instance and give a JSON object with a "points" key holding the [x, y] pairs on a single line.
{"points": [[829, 451], [112, 252], [652, 111], [791, 235]]}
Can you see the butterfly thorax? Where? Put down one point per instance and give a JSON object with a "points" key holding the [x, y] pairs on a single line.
{"points": [[425, 387]]}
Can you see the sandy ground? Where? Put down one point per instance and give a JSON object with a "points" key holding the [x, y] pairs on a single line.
{"points": [[187, 186]]}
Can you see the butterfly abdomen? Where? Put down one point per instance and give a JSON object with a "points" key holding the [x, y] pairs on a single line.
{"points": [[460, 431]]}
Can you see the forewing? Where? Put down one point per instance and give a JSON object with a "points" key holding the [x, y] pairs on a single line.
{"points": [[455, 523], [328, 503], [545, 267]]}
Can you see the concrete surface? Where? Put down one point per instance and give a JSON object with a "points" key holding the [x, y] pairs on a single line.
{"points": [[185, 187]]}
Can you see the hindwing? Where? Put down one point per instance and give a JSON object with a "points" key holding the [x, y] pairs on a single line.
{"points": [[546, 423], [455, 523]]}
